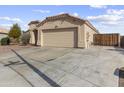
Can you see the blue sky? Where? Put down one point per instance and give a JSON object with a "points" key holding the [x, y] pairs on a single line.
{"points": [[107, 19]]}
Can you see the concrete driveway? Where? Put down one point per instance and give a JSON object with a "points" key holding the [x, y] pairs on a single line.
{"points": [[61, 67]]}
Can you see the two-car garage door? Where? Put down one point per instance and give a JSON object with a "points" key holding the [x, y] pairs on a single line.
{"points": [[60, 37]]}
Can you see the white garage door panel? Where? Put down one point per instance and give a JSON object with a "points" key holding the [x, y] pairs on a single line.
{"points": [[58, 38]]}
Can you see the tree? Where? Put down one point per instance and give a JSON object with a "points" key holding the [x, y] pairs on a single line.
{"points": [[15, 31]]}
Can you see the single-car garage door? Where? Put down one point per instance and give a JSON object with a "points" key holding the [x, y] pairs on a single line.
{"points": [[60, 37]]}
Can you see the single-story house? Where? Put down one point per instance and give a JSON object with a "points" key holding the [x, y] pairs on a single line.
{"points": [[3, 33], [62, 30]]}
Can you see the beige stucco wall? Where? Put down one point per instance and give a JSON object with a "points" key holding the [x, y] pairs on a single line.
{"points": [[64, 24], [89, 32], [85, 33], [32, 38], [81, 36], [32, 27]]}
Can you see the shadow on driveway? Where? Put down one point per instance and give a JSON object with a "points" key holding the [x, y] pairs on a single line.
{"points": [[120, 50], [41, 74], [13, 63]]}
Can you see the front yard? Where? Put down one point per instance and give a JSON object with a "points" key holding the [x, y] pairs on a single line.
{"points": [[36, 66]]}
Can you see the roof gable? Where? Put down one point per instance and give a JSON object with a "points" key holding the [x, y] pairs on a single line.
{"points": [[61, 16], [34, 22], [64, 16]]}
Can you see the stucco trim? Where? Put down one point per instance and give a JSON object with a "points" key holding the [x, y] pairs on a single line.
{"points": [[75, 28], [91, 26]]}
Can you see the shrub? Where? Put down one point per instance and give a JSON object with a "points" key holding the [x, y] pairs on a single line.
{"points": [[25, 38], [14, 34], [14, 41], [15, 31], [5, 41]]}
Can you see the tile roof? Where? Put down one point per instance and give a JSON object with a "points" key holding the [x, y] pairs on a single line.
{"points": [[34, 22], [65, 15]]}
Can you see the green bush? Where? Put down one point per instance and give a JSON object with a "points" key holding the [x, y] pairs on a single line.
{"points": [[15, 31], [25, 38], [14, 34], [5, 41]]}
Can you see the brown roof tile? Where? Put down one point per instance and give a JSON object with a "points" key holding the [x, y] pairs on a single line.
{"points": [[34, 22], [65, 15]]}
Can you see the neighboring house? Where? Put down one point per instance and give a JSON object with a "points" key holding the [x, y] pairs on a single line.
{"points": [[3, 33], [62, 30]]}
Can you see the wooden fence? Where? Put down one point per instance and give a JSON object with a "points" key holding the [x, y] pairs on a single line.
{"points": [[122, 41], [107, 39]]}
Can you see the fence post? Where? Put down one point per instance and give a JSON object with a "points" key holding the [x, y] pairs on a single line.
{"points": [[119, 41]]}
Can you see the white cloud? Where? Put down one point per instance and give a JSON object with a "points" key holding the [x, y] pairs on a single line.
{"points": [[76, 14], [112, 21], [105, 18], [41, 11], [7, 26], [111, 17], [61, 12], [98, 6], [11, 19], [16, 20], [115, 12], [26, 26]]}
